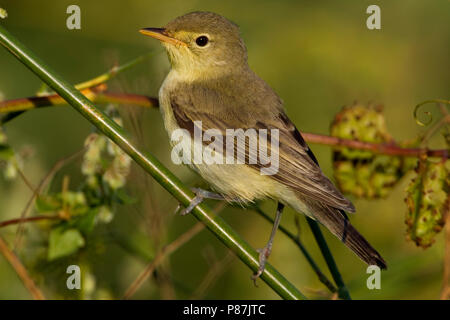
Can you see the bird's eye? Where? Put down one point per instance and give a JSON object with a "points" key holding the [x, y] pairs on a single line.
{"points": [[202, 41]]}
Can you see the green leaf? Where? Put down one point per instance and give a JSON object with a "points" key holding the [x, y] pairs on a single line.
{"points": [[136, 244], [46, 203], [6, 152], [64, 242], [86, 222], [123, 197]]}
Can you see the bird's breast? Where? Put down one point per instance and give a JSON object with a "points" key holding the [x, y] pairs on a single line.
{"points": [[166, 110]]}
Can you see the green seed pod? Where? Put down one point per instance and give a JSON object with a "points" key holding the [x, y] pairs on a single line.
{"points": [[360, 172], [428, 202]]}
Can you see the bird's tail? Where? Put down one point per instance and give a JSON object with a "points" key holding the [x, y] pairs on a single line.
{"points": [[337, 222]]}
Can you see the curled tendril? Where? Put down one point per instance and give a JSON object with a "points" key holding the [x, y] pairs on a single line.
{"points": [[430, 117]]}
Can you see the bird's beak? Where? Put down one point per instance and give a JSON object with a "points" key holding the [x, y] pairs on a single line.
{"points": [[161, 35]]}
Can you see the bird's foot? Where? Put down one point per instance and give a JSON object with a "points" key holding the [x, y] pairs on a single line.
{"points": [[263, 256], [200, 195], [265, 252]]}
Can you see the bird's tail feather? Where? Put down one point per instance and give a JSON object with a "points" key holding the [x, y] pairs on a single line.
{"points": [[340, 226]]}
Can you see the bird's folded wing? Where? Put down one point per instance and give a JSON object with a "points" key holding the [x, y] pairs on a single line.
{"points": [[297, 168]]}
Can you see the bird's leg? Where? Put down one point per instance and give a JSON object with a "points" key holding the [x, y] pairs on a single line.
{"points": [[200, 194], [265, 252]]}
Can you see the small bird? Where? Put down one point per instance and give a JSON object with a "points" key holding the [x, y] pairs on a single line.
{"points": [[210, 82]]}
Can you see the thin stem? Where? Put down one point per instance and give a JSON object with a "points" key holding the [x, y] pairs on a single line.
{"points": [[445, 292], [377, 148], [150, 164], [24, 178], [214, 273], [321, 242], [16, 107], [166, 251], [322, 277], [20, 270], [99, 96], [56, 167], [114, 71], [124, 98], [49, 98], [29, 219], [430, 132], [23, 104]]}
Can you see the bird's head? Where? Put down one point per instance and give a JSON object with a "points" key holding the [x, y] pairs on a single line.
{"points": [[201, 44]]}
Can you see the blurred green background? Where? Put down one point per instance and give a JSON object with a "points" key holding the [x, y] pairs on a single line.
{"points": [[317, 55]]}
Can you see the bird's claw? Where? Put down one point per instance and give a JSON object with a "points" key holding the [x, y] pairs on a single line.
{"points": [[263, 255], [195, 202], [200, 195]]}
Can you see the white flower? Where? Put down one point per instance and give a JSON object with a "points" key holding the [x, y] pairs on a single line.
{"points": [[105, 214], [3, 14], [95, 144]]}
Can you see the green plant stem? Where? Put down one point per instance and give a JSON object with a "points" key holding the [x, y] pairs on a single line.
{"points": [[18, 267], [95, 94], [13, 108], [111, 73], [296, 240], [342, 289], [30, 219], [150, 164], [90, 88]]}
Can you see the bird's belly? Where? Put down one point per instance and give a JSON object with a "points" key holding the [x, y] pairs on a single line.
{"points": [[240, 181], [237, 181]]}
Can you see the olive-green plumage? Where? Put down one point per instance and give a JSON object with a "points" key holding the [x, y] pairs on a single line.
{"points": [[213, 83]]}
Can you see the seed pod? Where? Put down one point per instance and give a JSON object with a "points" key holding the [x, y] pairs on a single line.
{"points": [[428, 202], [360, 172]]}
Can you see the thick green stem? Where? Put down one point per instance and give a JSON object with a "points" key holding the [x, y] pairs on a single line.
{"points": [[150, 164], [342, 289]]}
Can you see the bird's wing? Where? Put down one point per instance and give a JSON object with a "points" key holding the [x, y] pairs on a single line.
{"points": [[218, 109]]}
